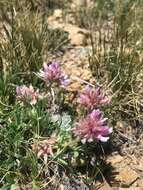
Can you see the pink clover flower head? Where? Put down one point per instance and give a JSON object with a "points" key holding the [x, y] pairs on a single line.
{"points": [[51, 72], [44, 148], [27, 94], [92, 98], [93, 127]]}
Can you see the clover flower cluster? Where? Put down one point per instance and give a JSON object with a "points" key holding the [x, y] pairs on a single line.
{"points": [[27, 94], [91, 98], [94, 125], [52, 73], [44, 148]]}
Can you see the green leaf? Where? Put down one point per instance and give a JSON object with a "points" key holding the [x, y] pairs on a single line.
{"points": [[6, 187], [64, 121], [35, 186], [76, 154]]}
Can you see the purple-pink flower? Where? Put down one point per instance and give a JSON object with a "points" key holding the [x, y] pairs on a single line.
{"points": [[92, 98], [27, 94], [93, 127], [51, 72]]}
